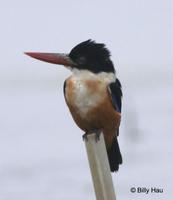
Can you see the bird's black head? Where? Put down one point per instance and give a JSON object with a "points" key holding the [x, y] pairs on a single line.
{"points": [[87, 55], [92, 56]]}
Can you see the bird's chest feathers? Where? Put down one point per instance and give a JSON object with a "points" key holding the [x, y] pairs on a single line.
{"points": [[85, 91]]}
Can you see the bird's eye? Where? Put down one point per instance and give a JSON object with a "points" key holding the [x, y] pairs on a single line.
{"points": [[81, 60]]}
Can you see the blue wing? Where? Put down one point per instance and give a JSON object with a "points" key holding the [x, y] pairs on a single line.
{"points": [[116, 95]]}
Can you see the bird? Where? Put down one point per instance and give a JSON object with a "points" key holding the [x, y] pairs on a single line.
{"points": [[92, 93]]}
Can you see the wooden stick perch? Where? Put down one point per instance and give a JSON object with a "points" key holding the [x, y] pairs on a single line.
{"points": [[99, 167]]}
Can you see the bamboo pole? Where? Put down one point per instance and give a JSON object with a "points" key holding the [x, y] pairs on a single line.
{"points": [[99, 167]]}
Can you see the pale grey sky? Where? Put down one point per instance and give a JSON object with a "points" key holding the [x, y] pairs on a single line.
{"points": [[42, 155], [138, 33]]}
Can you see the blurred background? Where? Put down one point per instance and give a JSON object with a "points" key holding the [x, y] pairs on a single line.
{"points": [[42, 155]]}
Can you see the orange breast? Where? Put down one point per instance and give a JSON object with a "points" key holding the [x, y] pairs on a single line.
{"points": [[90, 105]]}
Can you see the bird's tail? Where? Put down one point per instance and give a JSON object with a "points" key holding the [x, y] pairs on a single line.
{"points": [[114, 156]]}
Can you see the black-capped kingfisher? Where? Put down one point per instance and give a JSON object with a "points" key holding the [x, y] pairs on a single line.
{"points": [[93, 92]]}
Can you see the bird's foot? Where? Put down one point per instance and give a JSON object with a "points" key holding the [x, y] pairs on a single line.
{"points": [[96, 132], [84, 136], [97, 135]]}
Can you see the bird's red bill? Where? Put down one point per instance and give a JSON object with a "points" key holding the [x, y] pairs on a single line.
{"points": [[55, 58]]}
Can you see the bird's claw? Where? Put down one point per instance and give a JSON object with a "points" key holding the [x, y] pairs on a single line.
{"points": [[84, 136], [97, 135]]}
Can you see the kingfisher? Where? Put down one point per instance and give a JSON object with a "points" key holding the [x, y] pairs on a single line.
{"points": [[92, 93]]}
